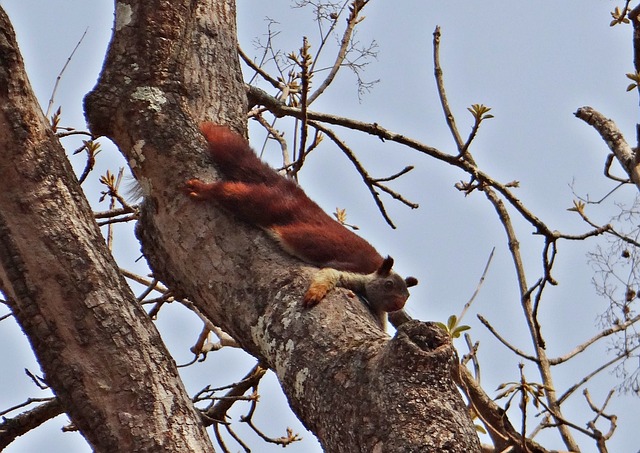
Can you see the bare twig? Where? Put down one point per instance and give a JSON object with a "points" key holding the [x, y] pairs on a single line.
{"points": [[605, 333], [607, 173], [258, 69], [472, 355], [505, 342], [12, 428], [277, 136], [55, 87], [478, 286], [601, 438], [586, 378], [353, 19], [368, 180], [450, 119], [217, 410]]}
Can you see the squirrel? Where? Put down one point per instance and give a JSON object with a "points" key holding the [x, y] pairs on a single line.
{"points": [[258, 195]]}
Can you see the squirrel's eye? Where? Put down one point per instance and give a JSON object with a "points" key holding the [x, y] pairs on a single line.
{"points": [[388, 285]]}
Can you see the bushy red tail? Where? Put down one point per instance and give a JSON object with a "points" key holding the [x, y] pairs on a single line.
{"points": [[258, 195], [235, 158]]}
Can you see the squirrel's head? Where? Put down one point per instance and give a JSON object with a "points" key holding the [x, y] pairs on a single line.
{"points": [[386, 290]]}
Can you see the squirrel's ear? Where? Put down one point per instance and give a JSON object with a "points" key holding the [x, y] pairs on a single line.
{"points": [[385, 267], [411, 281]]}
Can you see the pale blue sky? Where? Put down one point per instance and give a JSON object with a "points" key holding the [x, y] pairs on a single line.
{"points": [[534, 63]]}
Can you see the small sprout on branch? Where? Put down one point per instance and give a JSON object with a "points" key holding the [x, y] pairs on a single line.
{"points": [[452, 328], [341, 216], [635, 77], [527, 391], [619, 17], [91, 146], [55, 119], [480, 112], [578, 206], [109, 180]]}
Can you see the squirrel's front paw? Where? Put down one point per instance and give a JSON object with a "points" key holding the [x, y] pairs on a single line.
{"points": [[195, 188], [314, 295]]}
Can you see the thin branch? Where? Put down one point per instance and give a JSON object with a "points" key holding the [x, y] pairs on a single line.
{"points": [[363, 173], [505, 342], [352, 21], [402, 172], [224, 337], [55, 87], [607, 173], [597, 434], [451, 121], [324, 37], [144, 280], [11, 428], [277, 136], [115, 212], [473, 356], [586, 378], [478, 286], [264, 74], [606, 228], [605, 333]]}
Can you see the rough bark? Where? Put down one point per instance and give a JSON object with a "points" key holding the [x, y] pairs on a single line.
{"points": [[171, 65], [628, 157], [100, 353]]}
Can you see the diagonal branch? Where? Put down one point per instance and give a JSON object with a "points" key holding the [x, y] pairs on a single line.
{"points": [[11, 428], [605, 333], [352, 21], [370, 182], [278, 108]]}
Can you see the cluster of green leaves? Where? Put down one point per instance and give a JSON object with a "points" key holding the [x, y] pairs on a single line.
{"points": [[452, 327]]}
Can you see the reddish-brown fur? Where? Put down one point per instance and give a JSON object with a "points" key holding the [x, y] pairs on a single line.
{"points": [[259, 195]]}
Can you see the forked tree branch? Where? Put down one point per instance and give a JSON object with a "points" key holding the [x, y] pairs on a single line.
{"points": [[613, 137]]}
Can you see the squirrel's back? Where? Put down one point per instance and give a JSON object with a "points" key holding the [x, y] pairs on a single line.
{"points": [[259, 195]]}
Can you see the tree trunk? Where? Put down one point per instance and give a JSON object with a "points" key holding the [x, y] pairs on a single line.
{"points": [[171, 65], [100, 353]]}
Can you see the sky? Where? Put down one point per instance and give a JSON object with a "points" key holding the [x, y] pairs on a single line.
{"points": [[533, 63]]}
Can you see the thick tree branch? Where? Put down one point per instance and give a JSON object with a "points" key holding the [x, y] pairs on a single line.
{"points": [[613, 137], [100, 353]]}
